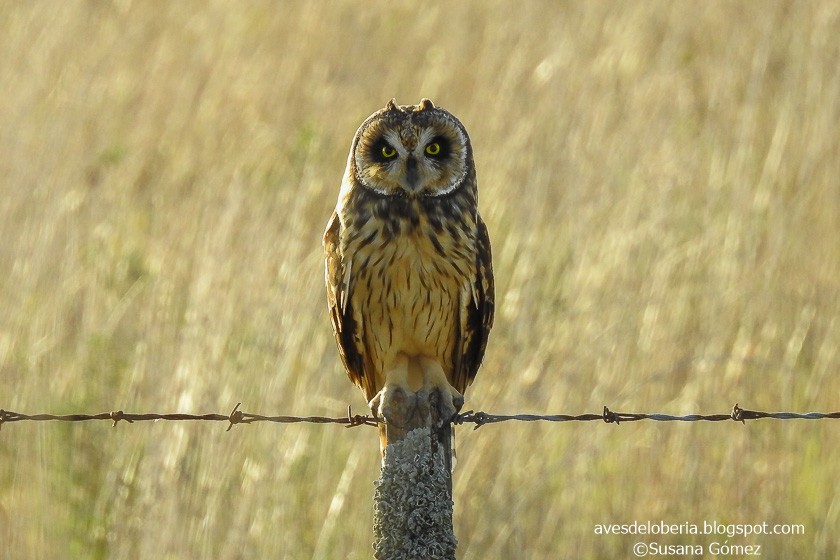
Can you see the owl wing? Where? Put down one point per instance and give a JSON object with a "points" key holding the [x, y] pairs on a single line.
{"points": [[479, 313], [341, 314]]}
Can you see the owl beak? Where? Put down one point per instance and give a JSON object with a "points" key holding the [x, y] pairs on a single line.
{"points": [[411, 175]]}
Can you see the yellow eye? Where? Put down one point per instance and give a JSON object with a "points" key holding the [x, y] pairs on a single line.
{"points": [[433, 149], [388, 151]]}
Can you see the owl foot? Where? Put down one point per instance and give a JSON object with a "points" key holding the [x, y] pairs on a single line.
{"points": [[446, 399], [392, 397], [435, 381]]}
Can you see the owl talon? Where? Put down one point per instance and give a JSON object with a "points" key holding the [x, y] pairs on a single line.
{"points": [[457, 402]]}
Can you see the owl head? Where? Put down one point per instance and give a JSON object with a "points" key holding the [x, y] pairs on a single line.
{"points": [[410, 151]]}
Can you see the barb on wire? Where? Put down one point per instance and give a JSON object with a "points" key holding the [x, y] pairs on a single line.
{"points": [[737, 414], [236, 416], [480, 419]]}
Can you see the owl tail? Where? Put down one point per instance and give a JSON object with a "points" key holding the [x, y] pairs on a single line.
{"points": [[383, 440], [453, 457]]}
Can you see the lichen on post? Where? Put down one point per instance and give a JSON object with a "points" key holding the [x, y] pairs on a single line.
{"points": [[413, 496]]}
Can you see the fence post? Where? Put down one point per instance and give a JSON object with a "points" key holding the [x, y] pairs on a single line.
{"points": [[412, 517]]}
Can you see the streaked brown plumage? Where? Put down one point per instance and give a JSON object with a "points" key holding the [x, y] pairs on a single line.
{"points": [[409, 273]]}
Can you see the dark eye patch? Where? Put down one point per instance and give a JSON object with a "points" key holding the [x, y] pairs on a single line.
{"points": [[438, 148], [381, 151]]}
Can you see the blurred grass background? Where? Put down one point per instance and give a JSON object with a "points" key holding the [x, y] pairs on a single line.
{"points": [[660, 181]]}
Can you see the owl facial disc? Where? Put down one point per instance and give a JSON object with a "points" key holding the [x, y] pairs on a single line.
{"points": [[411, 151]]}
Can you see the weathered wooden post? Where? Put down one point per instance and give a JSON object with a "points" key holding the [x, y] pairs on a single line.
{"points": [[412, 516]]}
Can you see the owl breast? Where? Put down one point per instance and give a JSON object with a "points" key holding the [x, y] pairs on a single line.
{"points": [[411, 279]]}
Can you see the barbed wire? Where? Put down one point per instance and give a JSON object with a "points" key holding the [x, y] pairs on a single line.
{"points": [[480, 419]]}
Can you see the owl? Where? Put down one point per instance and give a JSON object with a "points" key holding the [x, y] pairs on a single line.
{"points": [[408, 266]]}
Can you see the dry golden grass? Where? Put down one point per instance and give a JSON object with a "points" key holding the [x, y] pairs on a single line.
{"points": [[660, 180]]}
